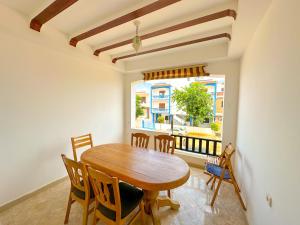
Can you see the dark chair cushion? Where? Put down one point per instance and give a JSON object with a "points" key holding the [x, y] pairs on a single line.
{"points": [[217, 170], [130, 198], [81, 194]]}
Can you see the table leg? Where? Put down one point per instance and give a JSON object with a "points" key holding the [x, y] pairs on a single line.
{"points": [[151, 207], [166, 201], [153, 202]]}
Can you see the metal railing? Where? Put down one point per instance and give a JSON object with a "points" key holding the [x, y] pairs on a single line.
{"points": [[160, 110], [198, 145], [160, 96]]}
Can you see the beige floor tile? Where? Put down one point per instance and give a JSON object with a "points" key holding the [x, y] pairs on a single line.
{"points": [[49, 207]]}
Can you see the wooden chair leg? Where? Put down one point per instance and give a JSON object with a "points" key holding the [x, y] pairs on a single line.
{"points": [[237, 191], [142, 208], [216, 191], [234, 180], [68, 209], [95, 219], [169, 193], [213, 183], [209, 180], [85, 214], [236, 188]]}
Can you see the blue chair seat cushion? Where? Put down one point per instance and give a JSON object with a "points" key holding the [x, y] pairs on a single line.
{"points": [[217, 170], [130, 198]]}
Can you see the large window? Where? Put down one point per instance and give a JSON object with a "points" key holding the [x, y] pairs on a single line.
{"points": [[185, 106]]}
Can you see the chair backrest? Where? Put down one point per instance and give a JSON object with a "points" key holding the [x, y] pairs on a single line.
{"points": [[225, 157], [139, 140], [106, 189], [77, 174], [81, 141], [164, 143]]}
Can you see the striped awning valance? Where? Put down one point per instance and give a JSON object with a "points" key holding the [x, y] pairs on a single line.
{"points": [[179, 72]]}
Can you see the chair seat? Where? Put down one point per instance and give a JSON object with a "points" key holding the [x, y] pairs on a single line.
{"points": [[217, 170], [81, 194], [130, 199]]}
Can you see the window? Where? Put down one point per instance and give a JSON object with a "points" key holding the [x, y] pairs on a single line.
{"points": [[143, 99], [162, 105], [162, 93], [159, 110]]}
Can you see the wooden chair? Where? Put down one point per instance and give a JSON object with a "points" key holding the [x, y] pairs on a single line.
{"points": [[222, 170], [80, 191], [81, 141], [166, 144], [115, 202], [141, 140]]}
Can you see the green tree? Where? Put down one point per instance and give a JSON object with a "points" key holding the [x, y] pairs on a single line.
{"points": [[194, 100], [161, 119], [214, 127], [139, 110]]}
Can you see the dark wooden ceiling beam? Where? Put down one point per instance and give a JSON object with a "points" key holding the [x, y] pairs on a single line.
{"points": [[204, 19], [217, 36], [48, 13], [123, 19]]}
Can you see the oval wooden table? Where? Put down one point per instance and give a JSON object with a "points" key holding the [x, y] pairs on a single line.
{"points": [[149, 170]]}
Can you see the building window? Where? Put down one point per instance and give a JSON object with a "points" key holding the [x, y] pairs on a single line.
{"points": [[161, 112], [143, 99], [162, 105], [162, 93]]}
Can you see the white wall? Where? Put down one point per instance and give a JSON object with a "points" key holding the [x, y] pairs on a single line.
{"points": [[268, 124], [49, 92], [178, 57], [229, 68]]}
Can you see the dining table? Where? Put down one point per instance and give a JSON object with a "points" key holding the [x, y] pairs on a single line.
{"points": [[152, 171]]}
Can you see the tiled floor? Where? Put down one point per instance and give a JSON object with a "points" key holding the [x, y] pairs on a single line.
{"points": [[49, 207]]}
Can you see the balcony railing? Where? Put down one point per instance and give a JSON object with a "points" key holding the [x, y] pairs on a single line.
{"points": [[160, 110], [160, 96], [198, 145]]}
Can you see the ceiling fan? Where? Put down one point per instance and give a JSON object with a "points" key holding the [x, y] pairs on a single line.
{"points": [[136, 41]]}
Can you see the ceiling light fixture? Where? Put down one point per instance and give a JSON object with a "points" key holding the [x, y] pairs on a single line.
{"points": [[136, 41]]}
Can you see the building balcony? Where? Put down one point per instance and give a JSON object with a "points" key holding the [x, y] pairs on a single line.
{"points": [[160, 97], [160, 110]]}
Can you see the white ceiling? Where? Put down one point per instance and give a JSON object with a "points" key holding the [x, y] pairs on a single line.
{"points": [[25, 7], [87, 14]]}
